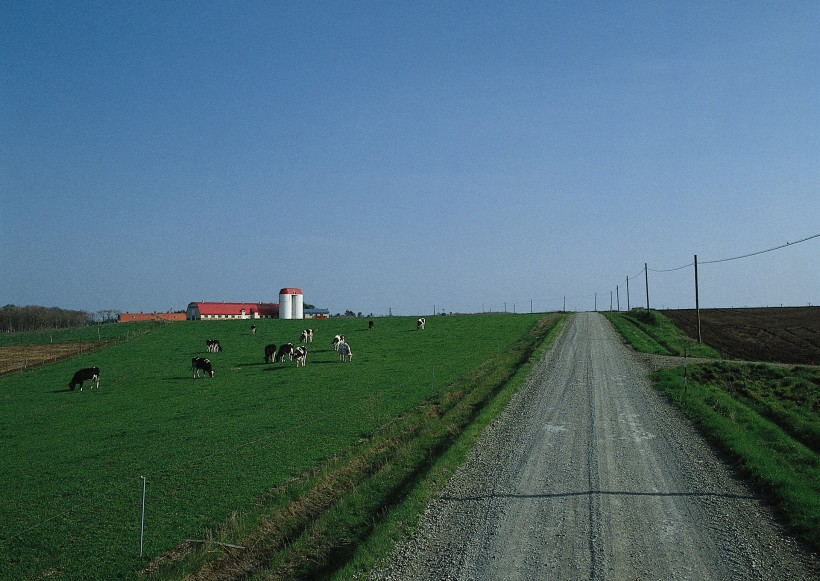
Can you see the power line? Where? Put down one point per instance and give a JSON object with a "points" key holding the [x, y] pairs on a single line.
{"points": [[759, 251]]}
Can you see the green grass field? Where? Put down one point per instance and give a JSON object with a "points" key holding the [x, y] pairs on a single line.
{"points": [[652, 332], [72, 462]]}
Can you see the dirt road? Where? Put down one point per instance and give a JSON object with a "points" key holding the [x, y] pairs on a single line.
{"points": [[590, 474]]}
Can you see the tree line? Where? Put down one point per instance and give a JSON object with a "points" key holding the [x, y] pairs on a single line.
{"points": [[35, 318]]}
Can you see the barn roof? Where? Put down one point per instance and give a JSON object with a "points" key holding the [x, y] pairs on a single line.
{"points": [[264, 309]]}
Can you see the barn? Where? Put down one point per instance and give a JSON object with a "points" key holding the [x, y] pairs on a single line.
{"points": [[206, 311]]}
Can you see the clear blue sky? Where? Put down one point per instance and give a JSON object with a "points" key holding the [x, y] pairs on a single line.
{"points": [[393, 155]]}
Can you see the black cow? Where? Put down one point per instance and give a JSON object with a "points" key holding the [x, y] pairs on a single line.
{"points": [[201, 364], [83, 375], [270, 353], [213, 345], [285, 350], [370, 325]]}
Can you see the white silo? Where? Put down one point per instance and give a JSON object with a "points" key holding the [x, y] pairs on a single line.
{"points": [[285, 305], [291, 304]]}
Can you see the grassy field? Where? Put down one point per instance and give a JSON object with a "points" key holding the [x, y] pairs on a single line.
{"points": [[765, 419], [652, 332], [210, 449]]}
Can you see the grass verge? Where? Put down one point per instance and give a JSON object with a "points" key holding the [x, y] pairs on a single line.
{"points": [[652, 332], [766, 420]]}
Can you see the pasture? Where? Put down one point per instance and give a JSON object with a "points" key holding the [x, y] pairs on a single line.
{"points": [[72, 462]]}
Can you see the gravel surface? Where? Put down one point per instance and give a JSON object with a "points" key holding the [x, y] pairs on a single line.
{"points": [[591, 474]]}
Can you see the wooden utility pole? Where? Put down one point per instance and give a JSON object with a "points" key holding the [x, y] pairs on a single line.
{"points": [[628, 308], [646, 276], [618, 297], [697, 299], [610, 301]]}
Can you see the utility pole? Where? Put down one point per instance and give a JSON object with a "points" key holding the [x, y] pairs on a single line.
{"points": [[646, 275], [596, 302], [610, 301], [628, 308], [618, 297], [697, 299]]}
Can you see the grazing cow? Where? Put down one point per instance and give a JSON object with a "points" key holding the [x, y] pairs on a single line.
{"points": [[420, 324], [270, 353], [345, 353], [306, 336], [285, 350], [370, 325], [213, 345], [201, 364], [300, 354], [83, 375], [253, 329], [337, 340]]}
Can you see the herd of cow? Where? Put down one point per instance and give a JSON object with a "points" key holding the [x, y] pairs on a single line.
{"points": [[272, 355]]}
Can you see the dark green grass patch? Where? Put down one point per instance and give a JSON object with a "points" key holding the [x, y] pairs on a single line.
{"points": [[652, 332], [209, 448], [766, 420]]}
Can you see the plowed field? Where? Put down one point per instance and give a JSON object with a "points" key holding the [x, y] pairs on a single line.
{"points": [[781, 335]]}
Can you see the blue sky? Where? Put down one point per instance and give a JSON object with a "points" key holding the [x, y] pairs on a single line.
{"points": [[404, 156]]}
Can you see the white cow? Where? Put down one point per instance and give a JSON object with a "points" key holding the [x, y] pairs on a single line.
{"points": [[337, 340], [300, 354], [345, 353], [306, 336], [420, 324]]}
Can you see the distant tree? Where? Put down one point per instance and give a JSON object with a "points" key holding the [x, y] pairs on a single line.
{"points": [[35, 318], [309, 306]]}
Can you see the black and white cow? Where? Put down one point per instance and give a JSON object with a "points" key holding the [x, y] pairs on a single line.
{"points": [[201, 364], [83, 375], [300, 354], [285, 350], [270, 353], [345, 352], [213, 345], [370, 325], [306, 336], [336, 340], [421, 323]]}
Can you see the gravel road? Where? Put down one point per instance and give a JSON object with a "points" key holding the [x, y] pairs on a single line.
{"points": [[590, 474]]}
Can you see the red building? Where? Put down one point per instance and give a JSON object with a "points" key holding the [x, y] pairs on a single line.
{"points": [[130, 317], [204, 311]]}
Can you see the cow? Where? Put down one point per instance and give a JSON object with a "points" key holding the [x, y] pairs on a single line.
{"points": [[201, 364], [336, 340], [345, 353], [370, 325], [285, 350], [83, 375], [253, 329], [213, 345], [420, 324], [270, 353], [300, 354], [306, 336]]}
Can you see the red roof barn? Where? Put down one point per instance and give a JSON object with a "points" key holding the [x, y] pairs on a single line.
{"points": [[221, 311]]}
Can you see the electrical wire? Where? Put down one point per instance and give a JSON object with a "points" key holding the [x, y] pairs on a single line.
{"points": [[758, 252]]}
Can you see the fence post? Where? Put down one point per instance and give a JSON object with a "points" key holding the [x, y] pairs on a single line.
{"points": [[142, 520]]}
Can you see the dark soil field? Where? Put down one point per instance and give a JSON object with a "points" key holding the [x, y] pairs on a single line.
{"points": [[777, 334]]}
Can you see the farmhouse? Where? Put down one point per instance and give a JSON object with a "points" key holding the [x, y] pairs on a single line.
{"points": [[205, 311]]}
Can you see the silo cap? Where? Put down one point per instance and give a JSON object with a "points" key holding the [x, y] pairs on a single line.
{"points": [[290, 291]]}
